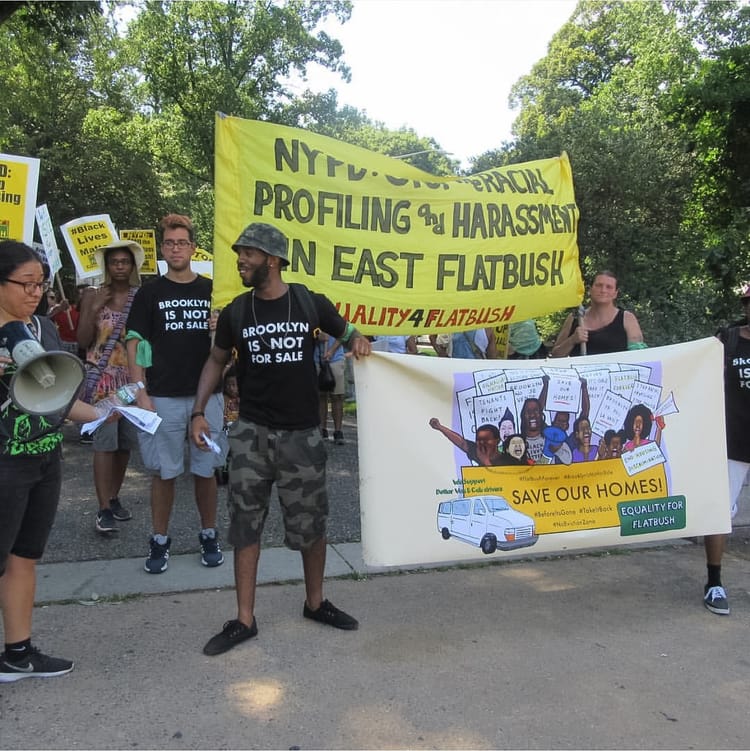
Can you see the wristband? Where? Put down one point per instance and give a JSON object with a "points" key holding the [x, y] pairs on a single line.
{"points": [[347, 335], [197, 414]]}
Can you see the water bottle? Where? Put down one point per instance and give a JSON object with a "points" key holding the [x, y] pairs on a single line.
{"points": [[122, 397]]}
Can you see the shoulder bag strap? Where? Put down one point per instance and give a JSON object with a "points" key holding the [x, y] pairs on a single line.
{"points": [[94, 374]]}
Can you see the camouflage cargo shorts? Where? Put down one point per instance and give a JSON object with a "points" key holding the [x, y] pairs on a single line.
{"points": [[296, 461]]}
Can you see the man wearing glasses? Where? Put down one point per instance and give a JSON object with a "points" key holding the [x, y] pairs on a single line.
{"points": [[168, 342]]}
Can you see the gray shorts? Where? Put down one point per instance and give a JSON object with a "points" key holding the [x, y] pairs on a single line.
{"points": [[120, 435], [296, 461], [163, 453], [337, 368]]}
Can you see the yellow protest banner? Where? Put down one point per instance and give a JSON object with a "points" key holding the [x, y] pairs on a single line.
{"points": [[83, 236], [399, 251], [470, 459], [19, 177], [146, 238]]}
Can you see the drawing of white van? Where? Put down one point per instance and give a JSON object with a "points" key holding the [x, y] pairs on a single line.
{"points": [[487, 521]]}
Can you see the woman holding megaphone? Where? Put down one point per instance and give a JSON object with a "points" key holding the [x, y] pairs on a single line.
{"points": [[30, 449]]}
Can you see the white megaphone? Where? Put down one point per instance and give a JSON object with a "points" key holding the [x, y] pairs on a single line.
{"points": [[44, 382]]}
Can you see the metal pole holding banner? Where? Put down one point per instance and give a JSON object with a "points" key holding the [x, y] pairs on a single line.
{"points": [[581, 313]]}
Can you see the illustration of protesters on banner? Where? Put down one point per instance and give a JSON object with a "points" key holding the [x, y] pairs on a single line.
{"points": [[483, 451], [610, 447], [514, 451], [637, 428], [532, 425], [585, 450], [507, 425], [556, 450], [561, 419]]}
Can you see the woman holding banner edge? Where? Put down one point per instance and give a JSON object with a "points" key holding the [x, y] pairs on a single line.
{"points": [[603, 328]]}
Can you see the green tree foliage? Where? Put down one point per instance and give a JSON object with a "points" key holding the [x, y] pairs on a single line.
{"points": [[92, 146], [235, 57], [714, 111], [60, 19], [612, 92]]}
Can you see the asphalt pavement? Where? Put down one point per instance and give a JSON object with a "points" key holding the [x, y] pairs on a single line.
{"points": [[601, 649]]}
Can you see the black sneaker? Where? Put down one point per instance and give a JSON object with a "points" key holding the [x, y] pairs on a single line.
{"points": [[105, 521], [158, 559], [86, 439], [119, 511], [211, 554], [324, 433], [34, 665], [338, 437], [330, 615], [715, 599], [233, 633]]}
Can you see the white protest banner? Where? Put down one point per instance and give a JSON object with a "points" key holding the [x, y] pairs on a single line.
{"points": [[415, 425], [47, 233]]}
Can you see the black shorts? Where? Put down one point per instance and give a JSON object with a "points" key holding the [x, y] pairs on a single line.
{"points": [[30, 494]]}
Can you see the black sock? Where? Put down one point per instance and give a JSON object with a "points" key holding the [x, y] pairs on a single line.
{"points": [[18, 651], [714, 575]]}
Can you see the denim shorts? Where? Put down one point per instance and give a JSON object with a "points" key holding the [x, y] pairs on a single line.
{"points": [[163, 453], [293, 459], [31, 491]]}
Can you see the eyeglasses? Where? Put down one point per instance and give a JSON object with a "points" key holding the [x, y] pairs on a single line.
{"points": [[181, 244], [119, 261], [30, 288]]}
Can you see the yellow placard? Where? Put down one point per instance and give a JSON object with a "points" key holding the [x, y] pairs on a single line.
{"points": [[501, 340], [19, 177], [399, 251], [146, 238], [83, 237]]}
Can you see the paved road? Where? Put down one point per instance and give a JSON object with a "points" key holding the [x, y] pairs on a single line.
{"points": [[576, 652]]}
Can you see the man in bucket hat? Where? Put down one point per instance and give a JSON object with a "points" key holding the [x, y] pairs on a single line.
{"points": [[277, 437], [736, 341], [101, 332]]}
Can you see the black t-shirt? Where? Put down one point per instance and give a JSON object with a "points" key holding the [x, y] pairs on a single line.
{"points": [[276, 368], [737, 401], [174, 317]]}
